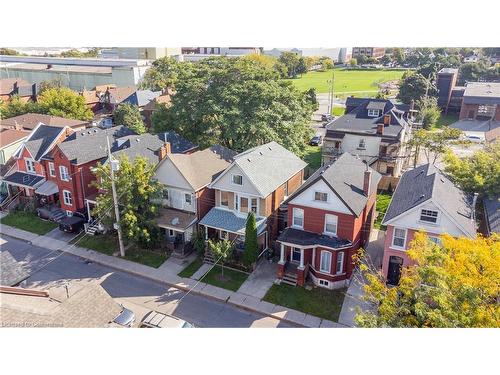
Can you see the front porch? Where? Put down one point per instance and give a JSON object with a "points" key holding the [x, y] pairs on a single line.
{"points": [[177, 229]]}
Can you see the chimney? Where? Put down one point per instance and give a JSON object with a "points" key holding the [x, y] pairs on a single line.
{"points": [[380, 129], [387, 119], [164, 151], [367, 181]]}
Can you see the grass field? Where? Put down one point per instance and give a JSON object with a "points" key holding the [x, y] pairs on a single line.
{"points": [[233, 279], [357, 82], [29, 222]]}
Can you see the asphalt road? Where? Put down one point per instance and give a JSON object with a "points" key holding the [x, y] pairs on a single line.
{"points": [[53, 270]]}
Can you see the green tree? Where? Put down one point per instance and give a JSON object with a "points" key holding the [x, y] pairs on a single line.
{"points": [[129, 115], [63, 102], [164, 73], [239, 104], [433, 144], [353, 62], [481, 70], [293, 62], [312, 98], [15, 107], [251, 246], [92, 52], [428, 112], [8, 51], [414, 86], [50, 84], [452, 285], [222, 251], [398, 55], [478, 173], [326, 63], [198, 241], [137, 190]]}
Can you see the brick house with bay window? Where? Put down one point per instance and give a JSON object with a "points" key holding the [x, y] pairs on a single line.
{"points": [[329, 218]]}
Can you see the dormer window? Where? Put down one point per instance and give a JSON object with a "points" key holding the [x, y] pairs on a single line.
{"points": [[428, 216], [30, 166], [319, 196], [362, 144], [237, 179], [374, 112]]}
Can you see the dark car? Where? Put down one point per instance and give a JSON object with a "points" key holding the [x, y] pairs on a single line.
{"points": [[317, 140], [50, 212], [72, 224], [326, 117]]}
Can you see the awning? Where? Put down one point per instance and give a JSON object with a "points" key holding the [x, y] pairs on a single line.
{"points": [[174, 219], [47, 188], [24, 179], [228, 221]]}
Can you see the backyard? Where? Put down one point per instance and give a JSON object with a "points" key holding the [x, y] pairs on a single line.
{"points": [[28, 221], [357, 82], [320, 302], [383, 200], [445, 120], [312, 156]]}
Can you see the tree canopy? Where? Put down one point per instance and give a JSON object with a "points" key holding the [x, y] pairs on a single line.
{"points": [[433, 144], [251, 245], [294, 63], [414, 86], [238, 103], [428, 112], [63, 102], [129, 115], [453, 285], [164, 73]]}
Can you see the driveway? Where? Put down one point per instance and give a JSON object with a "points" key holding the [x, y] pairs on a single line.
{"points": [[260, 280], [317, 124]]}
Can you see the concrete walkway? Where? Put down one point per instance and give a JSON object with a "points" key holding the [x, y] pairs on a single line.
{"points": [[168, 275], [201, 271], [260, 280]]}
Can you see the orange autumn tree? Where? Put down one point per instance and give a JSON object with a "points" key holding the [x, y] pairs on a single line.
{"points": [[455, 284]]}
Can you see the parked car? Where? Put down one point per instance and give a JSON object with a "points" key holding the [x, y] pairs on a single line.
{"points": [[50, 212], [72, 224], [317, 140], [155, 319], [326, 117], [126, 317]]}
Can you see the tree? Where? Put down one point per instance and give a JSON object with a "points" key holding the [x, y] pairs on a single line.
{"points": [[428, 112], [293, 63], [398, 55], [312, 98], [50, 84], [452, 285], [239, 104], [479, 173], [198, 241], [63, 102], [481, 70], [222, 250], [433, 144], [414, 86], [92, 52], [129, 115], [8, 51], [251, 245], [136, 189], [353, 62], [15, 107], [164, 73]]}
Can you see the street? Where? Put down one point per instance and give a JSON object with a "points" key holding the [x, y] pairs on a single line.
{"points": [[53, 271]]}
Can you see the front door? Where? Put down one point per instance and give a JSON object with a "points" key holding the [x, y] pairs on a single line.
{"points": [[296, 256], [394, 272]]}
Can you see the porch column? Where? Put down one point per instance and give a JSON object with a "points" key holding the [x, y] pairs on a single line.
{"points": [[282, 254], [88, 209], [206, 233], [301, 258]]}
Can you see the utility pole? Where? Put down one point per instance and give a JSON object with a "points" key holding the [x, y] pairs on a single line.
{"points": [[331, 97], [115, 201]]}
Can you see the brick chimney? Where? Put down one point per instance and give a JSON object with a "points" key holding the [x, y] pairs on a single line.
{"points": [[164, 151], [367, 178], [380, 129], [387, 119]]}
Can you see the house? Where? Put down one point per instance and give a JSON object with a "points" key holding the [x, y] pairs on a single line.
{"points": [[28, 178], [10, 87], [115, 96], [375, 52], [424, 200], [10, 140], [30, 121], [376, 130], [329, 218], [491, 220], [258, 181], [474, 58], [150, 108], [186, 195]]}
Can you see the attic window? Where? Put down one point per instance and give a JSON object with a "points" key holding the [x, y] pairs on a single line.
{"points": [[374, 112], [237, 179], [428, 216]]}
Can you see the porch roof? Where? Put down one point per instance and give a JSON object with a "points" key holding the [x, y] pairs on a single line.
{"points": [[230, 222], [47, 188], [175, 219], [24, 179], [303, 238]]}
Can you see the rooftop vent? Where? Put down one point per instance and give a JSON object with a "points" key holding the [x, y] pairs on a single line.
{"points": [[249, 160], [175, 221]]}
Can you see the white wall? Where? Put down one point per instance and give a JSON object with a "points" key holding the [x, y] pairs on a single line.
{"points": [[306, 198], [169, 175], [350, 144], [225, 183]]}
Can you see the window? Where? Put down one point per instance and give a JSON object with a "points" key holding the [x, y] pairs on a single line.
{"points": [[340, 263], [69, 213], [224, 198], [362, 144], [236, 202], [253, 206], [52, 169], [435, 240], [237, 179], [63, 173], [171, 233], [187, 198], [224, 235], [68, 200], [318, 196], [285, 189], [243, 204], [165, 194], [298, 218], [30, 165], [373, 113], [428, 216], [323, 282], [486, 110], [399, 238], [331, 224], [325, 261]]}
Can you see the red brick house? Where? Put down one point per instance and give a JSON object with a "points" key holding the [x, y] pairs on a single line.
{"points": [[329, 217]]}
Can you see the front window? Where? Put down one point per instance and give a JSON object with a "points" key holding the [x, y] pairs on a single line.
{"points": [[373, 112], [399, 238], [331, 224], [237, 179], [362, 144], [52, 169], [30, 165], [298, 217], [326, 261], [340, 263], [224, 198], [322, 197], [68, 199], [63, 173], [243, 204], [187, 197], [428, 216], [165, 194], [254, 205], [224, 235]]}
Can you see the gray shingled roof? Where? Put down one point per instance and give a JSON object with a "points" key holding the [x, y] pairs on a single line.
{"points": [[145, 96], [304, 238], [425, 182], [24, 179], [11, 271], [345, 176], [269, 166], [227, 220], [39, 141], [492, 211]]}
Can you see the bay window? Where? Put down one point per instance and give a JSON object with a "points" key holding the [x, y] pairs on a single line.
{"points": [[325, 261], [340, 263]]}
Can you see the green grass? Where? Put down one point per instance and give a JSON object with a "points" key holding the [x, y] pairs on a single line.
{"points": [[29, 222], [312, 156], [347, 81], [148, 258], [235, 278], [338, 111], [383, 201], [102, 243], [320, 302], [191, 268], [445, 120]]}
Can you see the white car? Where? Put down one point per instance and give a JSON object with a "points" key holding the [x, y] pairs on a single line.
{"points": [[155, 319]]}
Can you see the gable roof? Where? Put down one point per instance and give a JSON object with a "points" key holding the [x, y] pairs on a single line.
{"points": [[12, 271], [268, 166], [492, 214], [143, 97], [41, 139], [202, 167], [29, 121], [426, 182], [7, 85], [132, 146], [119, 94], [10, 136], [162, 99], [345, 177]]}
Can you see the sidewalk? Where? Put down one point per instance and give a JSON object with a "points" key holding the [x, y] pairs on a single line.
{"points": [[168, 275]]}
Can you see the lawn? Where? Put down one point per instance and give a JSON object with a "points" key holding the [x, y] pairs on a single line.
{"points": [[29, 222], [312, 156], [338, 111], [233, 282], [146, 257], [383, 201], [357, 82], [191, 268], [445, 120], [320, 302]]}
